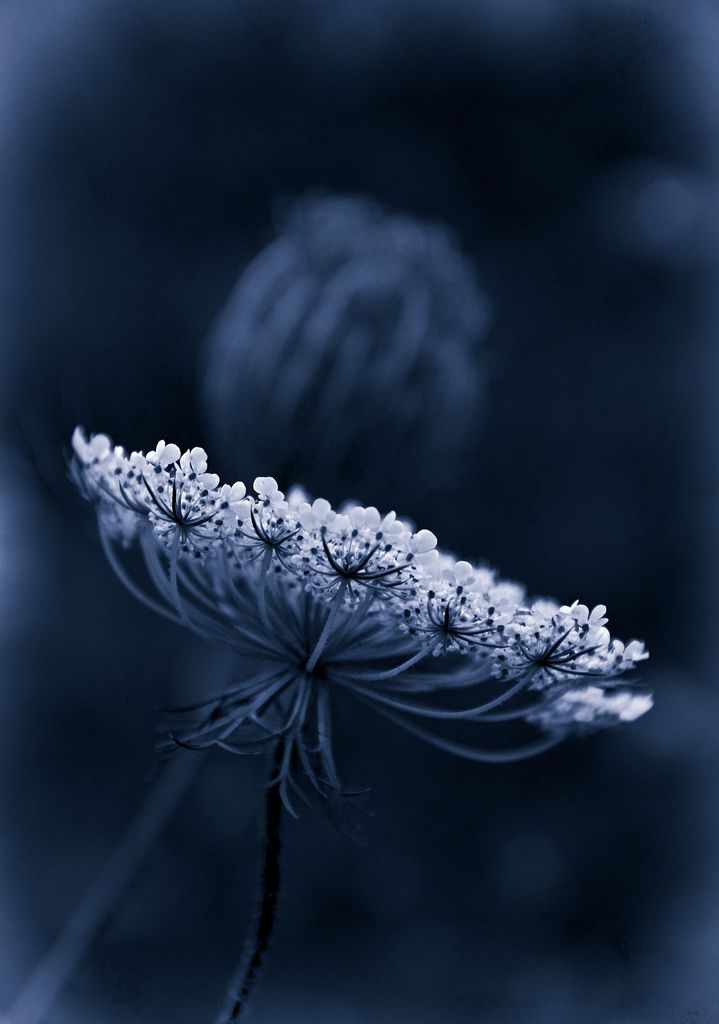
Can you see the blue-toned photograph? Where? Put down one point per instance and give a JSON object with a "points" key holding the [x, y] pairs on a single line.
{"points": [[358, 532]]}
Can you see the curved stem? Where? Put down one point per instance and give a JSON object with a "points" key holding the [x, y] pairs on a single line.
{"points": [[52, 973], [390, 673], [127, 581], [174, 556], [262, 599], [445, 714], [466, 750], [327, 629], [258, 939]]}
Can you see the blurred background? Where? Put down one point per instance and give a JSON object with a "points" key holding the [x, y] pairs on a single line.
{"points": [[457, 257]]}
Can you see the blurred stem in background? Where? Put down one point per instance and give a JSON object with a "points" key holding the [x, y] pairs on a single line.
{"points": [[52, 973], [47, 981]]}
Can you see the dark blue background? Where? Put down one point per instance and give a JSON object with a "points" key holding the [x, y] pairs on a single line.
{"points": [[572, 149]]}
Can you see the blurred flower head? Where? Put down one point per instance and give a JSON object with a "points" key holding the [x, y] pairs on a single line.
{"points": [[312, 600], [350, 352], [592, 706]]}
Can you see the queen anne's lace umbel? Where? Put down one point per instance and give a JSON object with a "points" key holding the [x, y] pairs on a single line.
{"points": [[313, 598]]}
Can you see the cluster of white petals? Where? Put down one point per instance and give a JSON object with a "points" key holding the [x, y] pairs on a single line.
{"points": [[565, 642], [372, 588], [591, 706], [452, 606]]}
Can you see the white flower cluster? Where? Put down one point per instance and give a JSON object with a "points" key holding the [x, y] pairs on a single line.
{"points": [[354, 558], [564, 642], [591, 707]]}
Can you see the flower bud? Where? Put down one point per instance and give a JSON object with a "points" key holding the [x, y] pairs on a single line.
{"points": [[349, 355]]}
